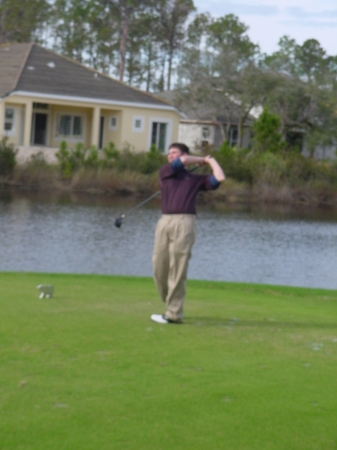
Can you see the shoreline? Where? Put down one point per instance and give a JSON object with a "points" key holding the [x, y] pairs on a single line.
{"points": [[230, 194]]}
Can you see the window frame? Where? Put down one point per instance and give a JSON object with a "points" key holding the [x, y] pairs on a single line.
{"points": [[232, 131], [168, 123], [12, 131], [142, 123], [71, 137], [204, 128], [113, 127]]}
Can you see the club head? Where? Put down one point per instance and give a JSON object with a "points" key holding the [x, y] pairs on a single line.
{"points": [[118, 222]]}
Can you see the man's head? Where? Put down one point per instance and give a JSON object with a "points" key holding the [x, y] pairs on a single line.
{"points": [[176, 150]]}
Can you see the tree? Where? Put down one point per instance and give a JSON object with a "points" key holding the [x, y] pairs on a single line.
{"points": [[22, 20], [305, 91], [267, 136], [123, 14], [172, 16], [71, 28], [228, 34], [223, 78]]}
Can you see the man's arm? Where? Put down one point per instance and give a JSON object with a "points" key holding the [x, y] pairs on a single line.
{"points": [[218, 173], [216, 168]]}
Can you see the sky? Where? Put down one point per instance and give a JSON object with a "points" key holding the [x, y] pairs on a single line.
{"points": [[269, 20]]}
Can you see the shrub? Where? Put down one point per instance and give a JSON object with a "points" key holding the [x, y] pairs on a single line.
{"points": [[111, 155], [270, 169], [71, 160], [7, 157], [152, 161], [235, 162], [92, 159], [267, 136], [37, 160]]}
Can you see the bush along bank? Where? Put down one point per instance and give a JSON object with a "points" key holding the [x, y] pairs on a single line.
{"points": [[260, 176]]}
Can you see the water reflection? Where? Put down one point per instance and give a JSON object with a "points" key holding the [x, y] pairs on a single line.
{"points": [[76, 234]]}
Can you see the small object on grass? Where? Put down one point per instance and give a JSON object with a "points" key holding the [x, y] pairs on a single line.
{"points": [[47, 290]]}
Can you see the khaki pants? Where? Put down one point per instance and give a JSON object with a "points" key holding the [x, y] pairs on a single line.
{"points": [[174, 238]]}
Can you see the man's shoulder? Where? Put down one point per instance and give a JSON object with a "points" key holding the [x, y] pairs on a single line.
{"points": [[165, 169]]}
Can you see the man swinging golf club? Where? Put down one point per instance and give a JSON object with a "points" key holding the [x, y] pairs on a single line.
{"points": [[175, 231]]}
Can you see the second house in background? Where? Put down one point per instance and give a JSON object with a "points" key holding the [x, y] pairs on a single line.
{"points": [[199, 130]]}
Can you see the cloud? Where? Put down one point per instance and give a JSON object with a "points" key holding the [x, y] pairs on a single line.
{"points": [[227, 7], [301, 13], [255, 10], [309, 23]]}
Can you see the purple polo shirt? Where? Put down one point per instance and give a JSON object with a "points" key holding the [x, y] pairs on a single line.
{"points": [[179, 188]]}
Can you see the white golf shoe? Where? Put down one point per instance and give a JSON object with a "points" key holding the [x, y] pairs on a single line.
{"points": [[161, 318]]}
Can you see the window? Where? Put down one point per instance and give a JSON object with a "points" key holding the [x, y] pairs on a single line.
{"points": [[205, 133], [9, 125], [233, 136], [158, 135], [113, 122], [138, 124], [70, 126]]}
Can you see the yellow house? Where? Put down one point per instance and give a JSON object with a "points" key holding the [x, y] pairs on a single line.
{"points": [[46, 98]]}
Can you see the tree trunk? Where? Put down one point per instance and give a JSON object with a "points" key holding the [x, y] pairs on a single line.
{"points": [[122, 44], [240, 127], [148, 68], [169, 71], [3, 26]]}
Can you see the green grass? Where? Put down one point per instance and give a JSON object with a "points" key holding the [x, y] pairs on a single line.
{"points": [[253, 367]]}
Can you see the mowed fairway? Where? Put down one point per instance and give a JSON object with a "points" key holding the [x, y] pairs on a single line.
{"points": [[253, 367]]}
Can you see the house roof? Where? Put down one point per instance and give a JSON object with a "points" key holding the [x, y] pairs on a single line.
{"points": [[201, 113], [31, 68]]}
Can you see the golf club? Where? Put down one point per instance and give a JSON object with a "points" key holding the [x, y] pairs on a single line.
{"points": [[119, 220]]}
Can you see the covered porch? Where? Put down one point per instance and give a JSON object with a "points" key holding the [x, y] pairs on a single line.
{"points": [[33, 124]]}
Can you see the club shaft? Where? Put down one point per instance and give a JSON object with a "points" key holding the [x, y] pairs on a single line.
{"points": [[141, 204]]}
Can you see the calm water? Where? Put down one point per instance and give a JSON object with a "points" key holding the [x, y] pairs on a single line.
{"points": [[77, 235]]}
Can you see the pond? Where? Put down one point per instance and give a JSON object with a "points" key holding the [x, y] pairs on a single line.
{"points": [[76, 234]]}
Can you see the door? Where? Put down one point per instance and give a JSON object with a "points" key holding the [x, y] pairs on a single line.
{"points": [[40, 121], [158, 136]]}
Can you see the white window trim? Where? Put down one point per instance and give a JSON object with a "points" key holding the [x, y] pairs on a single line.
{"points": [[70, 138], [204, 127], [142, 121], [113, 127], [232, 141], [15, 116], [169, 131]]}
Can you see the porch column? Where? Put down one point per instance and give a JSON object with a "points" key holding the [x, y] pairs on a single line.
{"points": [[95, 126], [2, 118], [27, 130]]}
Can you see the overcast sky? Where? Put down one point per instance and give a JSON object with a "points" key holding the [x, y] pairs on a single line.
{"points": [[268, 20]]}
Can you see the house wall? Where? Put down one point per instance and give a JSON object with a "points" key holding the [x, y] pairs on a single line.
{"points": [[191, 135], [245, 138], [112, 134], [322, 152], [140, 139], [125, 132], [14, 137]]}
